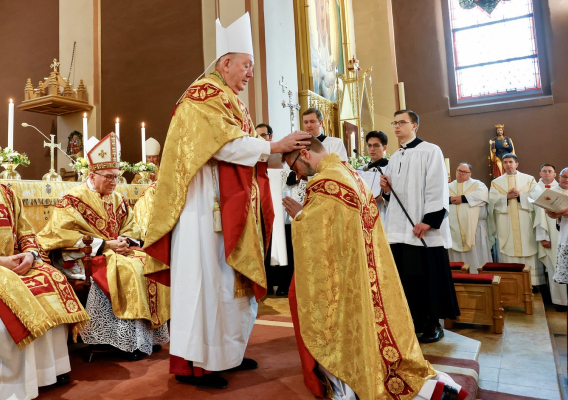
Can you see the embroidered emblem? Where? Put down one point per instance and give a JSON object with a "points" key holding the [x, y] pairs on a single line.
{"points": [[102, 154], [48, 188], [395, 385], [71, 306]]}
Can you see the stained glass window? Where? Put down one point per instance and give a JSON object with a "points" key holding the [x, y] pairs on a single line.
{"points": [[496, 53]]}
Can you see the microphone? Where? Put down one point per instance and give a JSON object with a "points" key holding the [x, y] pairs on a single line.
{"points": [[31, 126], [365, 167]]}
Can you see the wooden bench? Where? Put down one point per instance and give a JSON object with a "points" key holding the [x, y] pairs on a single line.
{"points": [[516, 289], [459, 266], [479, 299]]}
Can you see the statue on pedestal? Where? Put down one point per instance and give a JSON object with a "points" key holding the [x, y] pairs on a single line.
{"points": [[498, 147]]}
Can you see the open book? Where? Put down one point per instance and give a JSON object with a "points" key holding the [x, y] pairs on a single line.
{"points": [[552, 200]]}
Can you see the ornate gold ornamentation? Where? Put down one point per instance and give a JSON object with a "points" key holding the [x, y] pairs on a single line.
{"points": [[71, 306], [102, 153], [332, 187], [57, 276], [395, 385], [390, 353]]}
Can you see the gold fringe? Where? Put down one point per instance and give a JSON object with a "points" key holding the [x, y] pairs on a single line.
{"points": [[40, 202]]}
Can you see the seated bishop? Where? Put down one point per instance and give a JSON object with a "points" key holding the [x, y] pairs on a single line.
{"points": [[152, 156], [37, 307], [128, 311], [352, 323]]}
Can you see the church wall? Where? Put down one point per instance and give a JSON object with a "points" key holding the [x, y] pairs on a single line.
{"points": [[150, 54], [539, 133], [29, 41]]}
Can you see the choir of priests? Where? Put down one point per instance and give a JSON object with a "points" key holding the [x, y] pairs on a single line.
{"points": [[468, 214]]}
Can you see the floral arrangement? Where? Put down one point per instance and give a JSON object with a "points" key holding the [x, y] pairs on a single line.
{"points": [[8, 155], [143, 167], [79, 164], [125, 166], [357, 162]]}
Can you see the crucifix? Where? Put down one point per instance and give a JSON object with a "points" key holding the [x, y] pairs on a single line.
{"points": [[52, 146], [292, 106], [55, 65]]}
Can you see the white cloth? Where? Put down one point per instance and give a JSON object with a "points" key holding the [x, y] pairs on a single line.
{"points": [[546, 230], [208, 325], [470, 243], [561, 273], [420, 180], [335, 145], [124, 334], [278, 254], [38, 364], [512, 221]]}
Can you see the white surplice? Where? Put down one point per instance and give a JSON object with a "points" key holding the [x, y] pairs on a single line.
{"points": [[209, 326], [468, 224], [419, 178], [546, 230], [512, 222], [561, 273], [38, 364], [335, 145], [278, 254]]}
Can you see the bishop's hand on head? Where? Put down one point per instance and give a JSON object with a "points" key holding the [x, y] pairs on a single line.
{"points": [[295, 141]]}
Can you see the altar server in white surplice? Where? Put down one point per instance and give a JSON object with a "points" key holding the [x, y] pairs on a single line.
{"points": [[511, 217], [547, 236], [468, 214]]}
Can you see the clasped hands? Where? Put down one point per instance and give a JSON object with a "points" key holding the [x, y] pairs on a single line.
{"points": [[20, 264], [513, 193], [119, 245], [456, 200]]}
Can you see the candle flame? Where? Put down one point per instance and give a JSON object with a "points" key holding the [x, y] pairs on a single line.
{"points": [[117, 120], [10, 100], [142, 124], [84, 115]]}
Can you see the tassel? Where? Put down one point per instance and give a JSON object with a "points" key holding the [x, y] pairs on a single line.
{"points": [[217, 226]]}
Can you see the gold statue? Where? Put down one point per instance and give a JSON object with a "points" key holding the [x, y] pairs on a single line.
{"points": [[498, 147]]}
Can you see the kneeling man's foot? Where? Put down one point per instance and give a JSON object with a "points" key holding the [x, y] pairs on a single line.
{"points": [[248, 363], [136, 355], [62, 379], [207, 381], [432, 336]]}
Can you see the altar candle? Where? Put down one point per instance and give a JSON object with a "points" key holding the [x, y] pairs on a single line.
{"points": [[85, 134], [143, 143], [117, 129], [353, 145], [11, 125]]}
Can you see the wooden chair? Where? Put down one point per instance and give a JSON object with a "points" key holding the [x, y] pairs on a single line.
{"points": [[80, 287], [516, 289], [459, 266], [479, 299]]}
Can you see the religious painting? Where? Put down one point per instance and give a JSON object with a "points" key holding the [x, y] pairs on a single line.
{"points": [[75, 144], [326, 50]]}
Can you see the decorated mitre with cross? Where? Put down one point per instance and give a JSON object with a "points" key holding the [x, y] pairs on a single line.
{"points": [[103, 154]]}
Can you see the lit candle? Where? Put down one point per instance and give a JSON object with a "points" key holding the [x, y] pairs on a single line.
{"points": [[353, 145], [11, 125], [143, 143], [85, 134], [117, 129]]}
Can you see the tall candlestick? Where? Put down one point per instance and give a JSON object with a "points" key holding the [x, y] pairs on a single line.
{"points": [[353, 145], [11, 125], [143, 143], [117, 129], [85, 134]]}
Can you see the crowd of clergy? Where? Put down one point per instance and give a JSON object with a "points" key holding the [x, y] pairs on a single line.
{"points": [[185, 266]]}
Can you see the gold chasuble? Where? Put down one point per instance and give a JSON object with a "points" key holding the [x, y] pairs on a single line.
{"points": [[142, 209], [209, 116], [41, 299], [84, 211], [353, 314]]}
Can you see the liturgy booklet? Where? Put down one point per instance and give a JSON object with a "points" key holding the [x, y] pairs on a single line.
{"points": [[552, 200]]}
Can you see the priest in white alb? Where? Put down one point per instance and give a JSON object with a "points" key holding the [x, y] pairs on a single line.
{"points": [[547, 237], [468, 214], [212, 217], [511, 217]]}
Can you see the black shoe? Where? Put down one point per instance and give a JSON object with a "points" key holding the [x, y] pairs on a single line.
{"points": [[156, 348], [62, 379], [246, 364], [449, 393], [207, 381], [561, 308], [432, 336], [136, 355], [535, 290]]}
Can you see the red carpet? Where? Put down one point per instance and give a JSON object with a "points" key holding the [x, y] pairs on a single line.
{"points": [[278, 377]]}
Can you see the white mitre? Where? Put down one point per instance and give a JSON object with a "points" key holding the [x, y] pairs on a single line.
{"points": [[236, 38], [104, 154], [152, 147]]}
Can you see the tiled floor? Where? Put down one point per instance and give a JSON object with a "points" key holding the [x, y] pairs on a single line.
{"points": [[521, 361]]}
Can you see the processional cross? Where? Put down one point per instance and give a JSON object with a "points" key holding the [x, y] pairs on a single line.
{"points": [[52, 146], [292, 106]]}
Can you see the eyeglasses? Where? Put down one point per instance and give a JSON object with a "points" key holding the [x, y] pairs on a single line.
{"points": [[109, 178], [265, 135], [463, 172], [394, 124], [296, 159], [374, 146]]}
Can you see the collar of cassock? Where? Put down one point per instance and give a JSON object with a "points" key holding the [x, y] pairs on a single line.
{"points": [[412, 144], [321, 137]]}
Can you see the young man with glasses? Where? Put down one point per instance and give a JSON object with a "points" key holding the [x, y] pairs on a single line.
{"points": [[264, 131], [468, 215], [376, 148], [417, 174], [123, 314]]}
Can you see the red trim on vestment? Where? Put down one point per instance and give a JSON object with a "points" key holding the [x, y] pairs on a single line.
{"points": [[15, 328], [180, 366], [309, 364], [438, 391], [265, 202], [161, 252], [99, 267]]}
